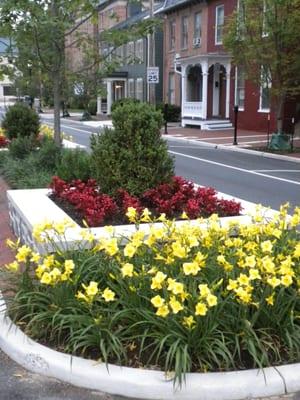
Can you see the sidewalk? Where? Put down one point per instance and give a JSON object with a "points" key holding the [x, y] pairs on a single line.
{"points": [[249, 140]]}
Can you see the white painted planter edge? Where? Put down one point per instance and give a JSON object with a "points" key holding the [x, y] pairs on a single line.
{"points": [[30, 207], [142, 383]]}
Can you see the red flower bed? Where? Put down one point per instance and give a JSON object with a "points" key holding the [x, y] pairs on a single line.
{"points": [[170, 198], [4, 142]]}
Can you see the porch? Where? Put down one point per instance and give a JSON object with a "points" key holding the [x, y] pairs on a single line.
{"points": [[116, 88], [205, 88]]}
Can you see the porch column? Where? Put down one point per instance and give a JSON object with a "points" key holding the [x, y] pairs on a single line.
{"points": [[183, 92], [125, 89], [99, 105], [204, 68], [228, 68], [109, 97]]}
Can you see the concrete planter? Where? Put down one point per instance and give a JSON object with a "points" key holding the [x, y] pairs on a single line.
{"points": [[142, 383], [30, 207]]}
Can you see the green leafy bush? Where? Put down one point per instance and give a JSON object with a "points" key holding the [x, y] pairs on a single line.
{"points": [[24, 173], [22, 146], [173, 112], [122, 102], [74, 164], [132, 156], [92, 107], [48, 154], [20, 120]]}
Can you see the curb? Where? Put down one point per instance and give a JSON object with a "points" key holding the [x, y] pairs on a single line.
{"points": [[140, 383], [233, 148]]}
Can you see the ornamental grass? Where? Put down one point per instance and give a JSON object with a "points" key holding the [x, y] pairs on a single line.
{"points": [[183, 298]]}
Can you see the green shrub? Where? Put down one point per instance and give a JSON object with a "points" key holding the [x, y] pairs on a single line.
{"points": [[20, 120], [24, 174], [122, 102], [173, 112], [74, 164], [21, 146], [77, 102], [92, 107], [48, 154], [133, 155]]}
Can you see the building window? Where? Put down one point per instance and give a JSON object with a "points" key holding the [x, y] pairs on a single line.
{"points": [[197, 29], [264, 101], [9, 91], [130, 50], [240, 88], [139, 50], [184, 32], [172, 29], [241, 19], [131, 88], [219, 24], [171, 94], [139, 94]]}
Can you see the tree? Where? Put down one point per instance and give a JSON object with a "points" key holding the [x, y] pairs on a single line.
{"points": [[263, 37], [44, 30], [40, 30]]}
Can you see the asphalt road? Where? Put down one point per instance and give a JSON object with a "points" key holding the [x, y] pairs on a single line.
{"points": [[267, 181], [16, 383]]}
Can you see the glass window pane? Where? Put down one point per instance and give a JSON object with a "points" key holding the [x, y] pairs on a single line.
{"points": [[219, 24], [197, 25], [184, 32]]}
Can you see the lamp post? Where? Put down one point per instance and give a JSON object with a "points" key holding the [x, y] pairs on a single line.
{"points": [[236, 111]]}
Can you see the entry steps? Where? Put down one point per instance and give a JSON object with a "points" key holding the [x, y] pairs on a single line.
{"points": [[216, 125], [208, 124]]}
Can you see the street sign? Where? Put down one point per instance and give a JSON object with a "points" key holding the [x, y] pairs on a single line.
{"points": [[153, 75]]}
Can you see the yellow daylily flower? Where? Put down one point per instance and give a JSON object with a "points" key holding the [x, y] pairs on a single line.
{"points": [[201, 309], [127, 270], [108, 295], [157, 301], [163, 311]]}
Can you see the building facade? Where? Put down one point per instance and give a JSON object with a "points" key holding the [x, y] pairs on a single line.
{"points": [[130, 77], [199, 74]]}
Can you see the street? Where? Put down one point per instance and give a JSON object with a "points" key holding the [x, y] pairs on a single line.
{"points": [[267, 181], [250, 177]]}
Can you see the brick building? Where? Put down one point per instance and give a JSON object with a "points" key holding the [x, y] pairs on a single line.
{"points": [[199, 74]]}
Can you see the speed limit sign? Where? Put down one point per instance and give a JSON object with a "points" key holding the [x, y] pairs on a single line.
{"points": [[153, 74]]}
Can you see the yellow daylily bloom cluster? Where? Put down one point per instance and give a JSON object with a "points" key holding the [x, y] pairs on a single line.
{"points": [[46, 230], [184, 271], [51, 271], [91, 291], [46, 130]]}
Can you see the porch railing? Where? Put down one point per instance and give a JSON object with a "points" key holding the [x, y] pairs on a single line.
{"points": [[192, 109]]}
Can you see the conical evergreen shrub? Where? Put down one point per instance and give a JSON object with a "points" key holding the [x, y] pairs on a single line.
{"points": [[132, 155]]}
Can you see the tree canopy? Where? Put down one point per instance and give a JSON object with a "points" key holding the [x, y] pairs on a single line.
{"points": [[43, 30], [263, 37]]}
